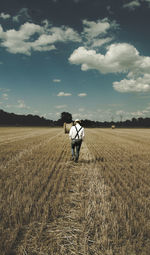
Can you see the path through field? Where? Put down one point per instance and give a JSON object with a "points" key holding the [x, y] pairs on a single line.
{"points": [[51, 205]]}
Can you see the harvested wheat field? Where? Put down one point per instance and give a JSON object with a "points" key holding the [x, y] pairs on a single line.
{"points": [[52, 206]]}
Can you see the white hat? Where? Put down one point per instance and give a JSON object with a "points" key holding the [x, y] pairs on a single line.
{"points": [[77, 120]]}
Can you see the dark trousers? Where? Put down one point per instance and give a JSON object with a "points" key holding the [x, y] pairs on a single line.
{"points": [[75, 148]]}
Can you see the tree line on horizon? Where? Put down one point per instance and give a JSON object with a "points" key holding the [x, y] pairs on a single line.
{"points": [[12, 119]]}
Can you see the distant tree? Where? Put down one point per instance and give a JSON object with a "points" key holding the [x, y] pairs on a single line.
{"points": [[134, 122], [66, 117], [12, 119]]}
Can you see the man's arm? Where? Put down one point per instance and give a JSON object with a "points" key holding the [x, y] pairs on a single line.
{"points": [[70, 133], [82, 133]]}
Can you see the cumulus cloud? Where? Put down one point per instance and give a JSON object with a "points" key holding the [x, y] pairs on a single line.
{"points": [[21, 105], [93, 29], [5, 16], [93, 115], [99, 42], [18, 41], [139, 113], [95, 32], [116, 59], [122, 114], [82, 94], [56, 80], [135, 4], [63, 94], [5, 96], [141, 84], [132, 5], [109, 114], [119, 58], [22, 40], [32, 37]]}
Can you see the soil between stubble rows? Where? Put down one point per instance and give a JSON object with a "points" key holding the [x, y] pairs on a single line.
{"points": [[53, 206]]}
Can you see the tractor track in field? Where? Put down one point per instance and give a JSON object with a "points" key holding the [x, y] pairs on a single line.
{"points": [[71, 231]]}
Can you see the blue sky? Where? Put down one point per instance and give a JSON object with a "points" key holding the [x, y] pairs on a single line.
{"points": [[87, 57]]}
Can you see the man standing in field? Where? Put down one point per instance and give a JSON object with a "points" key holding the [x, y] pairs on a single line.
{"points": [[76, 135]]}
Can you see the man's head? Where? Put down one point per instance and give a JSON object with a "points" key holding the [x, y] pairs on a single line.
{"points": [[77, 121]]}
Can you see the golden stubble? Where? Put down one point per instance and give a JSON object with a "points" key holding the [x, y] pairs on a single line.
{"points": [[50, 205]]}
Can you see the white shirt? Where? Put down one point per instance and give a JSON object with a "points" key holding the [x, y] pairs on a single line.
{"points": [[73, 132]]}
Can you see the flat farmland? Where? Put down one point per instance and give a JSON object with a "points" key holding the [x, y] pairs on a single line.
{"points": [[50, 205]]}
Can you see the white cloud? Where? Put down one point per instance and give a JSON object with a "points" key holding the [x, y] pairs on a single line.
{"points": [[120, 112], [94, 32], [5, 16], [56, 80], [77, 116], [132, 5], [61, 106], [82, 95], [18, 41], [63, 94], [32, 37], [141, 84], [138, 113], [5, 96], [110, 114], [124, 115], [58, 114], [21, 104], [93, 115], [119, 58], [93, 29], [63, 34], [99, 42], [21, 41], [116, 59]]}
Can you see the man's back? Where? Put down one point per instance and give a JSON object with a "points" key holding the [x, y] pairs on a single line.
{"points": [[76, 132]]}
